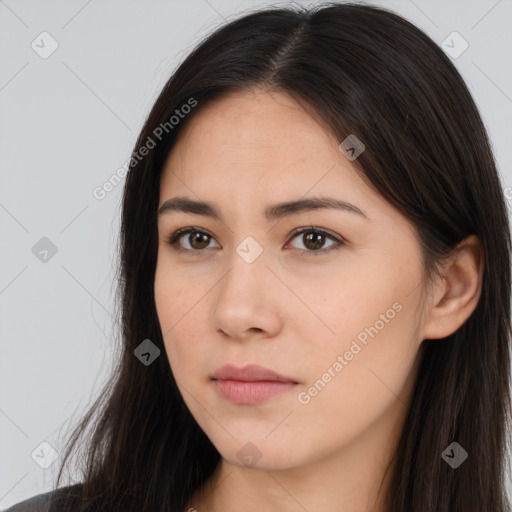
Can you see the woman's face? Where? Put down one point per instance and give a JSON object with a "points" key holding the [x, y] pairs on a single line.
{"points": [[336, 310]]}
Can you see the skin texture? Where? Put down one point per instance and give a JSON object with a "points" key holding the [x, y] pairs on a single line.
{"points": [[295, 312]]}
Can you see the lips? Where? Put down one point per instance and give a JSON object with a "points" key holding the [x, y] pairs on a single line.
{"points": [[249, 373]]}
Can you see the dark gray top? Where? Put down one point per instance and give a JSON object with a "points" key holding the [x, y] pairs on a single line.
{"points": [[40, 502]]}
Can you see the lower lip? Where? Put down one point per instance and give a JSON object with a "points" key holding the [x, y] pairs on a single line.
{"points": [[249, 393]]}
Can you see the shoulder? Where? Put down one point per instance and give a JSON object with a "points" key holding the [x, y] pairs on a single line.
{"points": [[41, 502]]}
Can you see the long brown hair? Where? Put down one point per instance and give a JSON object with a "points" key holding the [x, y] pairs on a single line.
{"points": [[363, 70]]}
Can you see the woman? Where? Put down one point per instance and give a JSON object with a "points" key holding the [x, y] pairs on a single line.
{"points": [[315, 283]]}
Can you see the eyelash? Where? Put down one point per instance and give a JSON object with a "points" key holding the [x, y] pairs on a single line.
{"points": [[177, 235]]}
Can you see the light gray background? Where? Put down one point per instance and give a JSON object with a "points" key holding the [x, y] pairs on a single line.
{"points": [[67, 123]]}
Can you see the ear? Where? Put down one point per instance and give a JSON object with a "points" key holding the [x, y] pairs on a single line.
{"points": [[456, 297]]}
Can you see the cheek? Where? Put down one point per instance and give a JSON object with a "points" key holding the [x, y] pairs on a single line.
{"points": [[360, 368], [338, 306], [353, 385], [181, 306]]}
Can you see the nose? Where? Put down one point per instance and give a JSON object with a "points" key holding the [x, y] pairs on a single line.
{"points": [[248, 300]]}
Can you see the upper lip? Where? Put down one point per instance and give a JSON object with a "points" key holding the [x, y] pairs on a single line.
{"points": [[248, 373]]}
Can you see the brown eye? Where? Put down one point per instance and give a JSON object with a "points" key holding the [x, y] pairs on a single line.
{"points": [[313, 239], [197, 239]]}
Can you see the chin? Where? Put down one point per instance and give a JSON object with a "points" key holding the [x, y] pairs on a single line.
{"points": [[261, 454]]}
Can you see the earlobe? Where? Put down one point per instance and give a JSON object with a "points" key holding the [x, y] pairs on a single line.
{"points": [[457, 296]]}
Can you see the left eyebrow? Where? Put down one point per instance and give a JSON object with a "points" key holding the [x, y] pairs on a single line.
{"points": [[272, 212]]}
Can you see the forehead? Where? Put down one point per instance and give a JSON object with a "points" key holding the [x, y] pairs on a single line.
{"points": [[252, 136], [256, 144]]}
